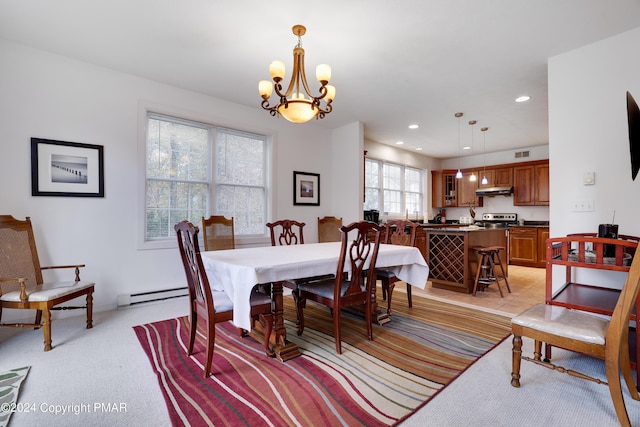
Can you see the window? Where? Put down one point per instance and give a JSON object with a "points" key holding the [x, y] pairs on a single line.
{"points": [[240, 180], [194, 169], [393, 189]]}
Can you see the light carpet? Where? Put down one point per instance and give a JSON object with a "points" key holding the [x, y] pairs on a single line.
{"points": [[10, 383], [371, 383]]}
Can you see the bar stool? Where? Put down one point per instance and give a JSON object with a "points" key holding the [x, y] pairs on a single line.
{"points": [[488, 259]]}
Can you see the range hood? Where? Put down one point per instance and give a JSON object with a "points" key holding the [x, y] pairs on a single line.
{"points": [[494, 191]]}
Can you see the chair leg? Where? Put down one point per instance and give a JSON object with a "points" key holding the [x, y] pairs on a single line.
{"points": [[612, 368], [300, 303], [38, 320], [409, 295], [516, 359], [267, 323], [211, 340], [336, 330], [192, 332], [46, 327], [90, 310], [504, 276], [390, 287], [385, 286], [625, 364]]}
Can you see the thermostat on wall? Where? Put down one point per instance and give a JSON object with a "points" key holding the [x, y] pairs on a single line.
{"points": [[589, 178]]}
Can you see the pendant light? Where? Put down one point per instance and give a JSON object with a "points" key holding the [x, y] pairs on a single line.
{"points": [[484, 181], [472, 178], [459, 173]]}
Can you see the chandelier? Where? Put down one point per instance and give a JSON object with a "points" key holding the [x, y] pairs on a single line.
{"points": [[297, 104]]}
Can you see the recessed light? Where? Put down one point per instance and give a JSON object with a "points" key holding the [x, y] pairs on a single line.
{"points": [[414, 126], [399, 143], [419, 149], [466, 148], [523, 98]]}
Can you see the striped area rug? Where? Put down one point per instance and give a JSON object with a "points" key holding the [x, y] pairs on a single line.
{"points": [[374, 383]]}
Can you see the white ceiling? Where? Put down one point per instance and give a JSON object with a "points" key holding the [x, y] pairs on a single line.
{"points": [[394, 62]]}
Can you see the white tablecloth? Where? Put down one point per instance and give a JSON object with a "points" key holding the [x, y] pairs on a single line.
{"points": [[237, 271]]}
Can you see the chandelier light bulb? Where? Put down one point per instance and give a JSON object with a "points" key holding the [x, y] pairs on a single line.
{"points": [[459, 174]]}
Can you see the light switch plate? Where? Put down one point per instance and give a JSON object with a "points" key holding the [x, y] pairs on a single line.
{"points": [[589, 178]]}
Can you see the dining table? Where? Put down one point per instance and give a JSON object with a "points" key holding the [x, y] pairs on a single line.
{"points": [[238, 271]]}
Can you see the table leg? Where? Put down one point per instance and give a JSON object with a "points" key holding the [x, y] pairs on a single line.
{"points": [[284, 349]]}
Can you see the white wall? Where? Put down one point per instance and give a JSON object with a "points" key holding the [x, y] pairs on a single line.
{"points": [[588, 133], [53, 97]]}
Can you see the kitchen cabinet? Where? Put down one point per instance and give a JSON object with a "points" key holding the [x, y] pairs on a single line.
{"points": [[499, 177], [531, 184], [444, 191], [467, 190], [527, 246]]}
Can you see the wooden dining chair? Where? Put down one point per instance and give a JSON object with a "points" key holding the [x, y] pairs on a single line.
{"points": [[329, 229], [585, 333], [211, 306], [398, 232], [22, 284], [286, 232], [356, 289], [218, 233]]}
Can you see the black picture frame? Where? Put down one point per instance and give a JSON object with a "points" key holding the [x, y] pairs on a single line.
{"points": [[306, 188], [66, 169]]}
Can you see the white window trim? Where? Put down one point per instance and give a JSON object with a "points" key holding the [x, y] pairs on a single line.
{"points": [[397, 215], [145, 108]]}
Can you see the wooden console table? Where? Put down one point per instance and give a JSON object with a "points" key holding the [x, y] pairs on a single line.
{"points": [[584, 251]]}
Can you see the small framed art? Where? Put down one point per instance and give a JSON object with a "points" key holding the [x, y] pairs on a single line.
{"points": [[67, 169], [306, 188]]}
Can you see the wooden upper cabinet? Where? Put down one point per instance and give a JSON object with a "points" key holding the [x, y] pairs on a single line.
{"points": [[531, 184], [542, 185], [436, 189], [467, 190], [504, 177], [501, 177]]}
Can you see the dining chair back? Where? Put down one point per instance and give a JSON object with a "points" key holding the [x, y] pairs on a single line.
{"points": [[208, 305], [218, 233], [357, 258], [329, 229], [402, 233], [22, 284], [286, 232], [585, 333]]}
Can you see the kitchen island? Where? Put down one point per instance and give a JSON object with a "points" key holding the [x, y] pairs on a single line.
{"points": [[450, 255]]}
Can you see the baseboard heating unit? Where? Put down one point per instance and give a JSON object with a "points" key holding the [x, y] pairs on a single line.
{"points": [[159, 295]]}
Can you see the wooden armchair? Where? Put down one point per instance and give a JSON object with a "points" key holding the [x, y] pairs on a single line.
{"points": [[357, 290], [218, 233], [396, 233], [585, 333], [21, 281], [329, 229], [213, 306]]}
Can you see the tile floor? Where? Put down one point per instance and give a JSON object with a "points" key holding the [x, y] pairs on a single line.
{"points": [[527, 289]]}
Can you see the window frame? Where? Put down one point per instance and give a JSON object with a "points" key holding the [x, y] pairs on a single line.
{"points": [[148, 109], [381, 189]]}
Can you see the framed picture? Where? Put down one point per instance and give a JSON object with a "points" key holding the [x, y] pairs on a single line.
{"points": [[306, 188], [68, 169]]}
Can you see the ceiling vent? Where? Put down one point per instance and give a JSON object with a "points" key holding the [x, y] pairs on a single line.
{"points": [[520, 154]]}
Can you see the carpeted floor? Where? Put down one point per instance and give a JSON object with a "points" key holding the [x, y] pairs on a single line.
{"points": [[10, 383], [371, 383]]}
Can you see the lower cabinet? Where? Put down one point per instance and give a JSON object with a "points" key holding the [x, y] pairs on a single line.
{"points": [[527, 246]]}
